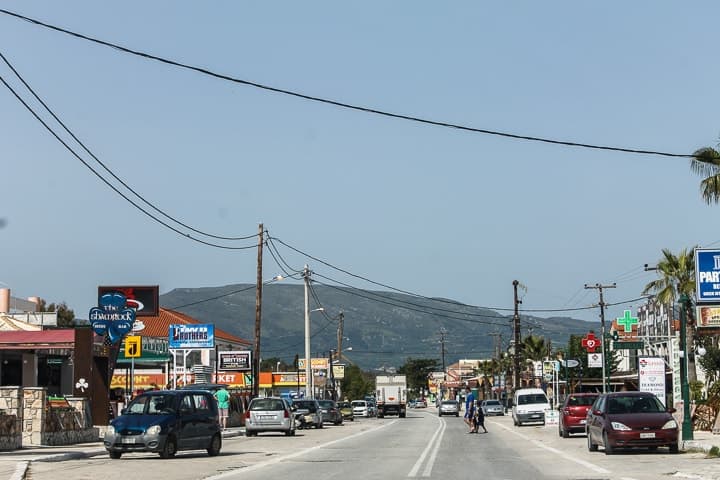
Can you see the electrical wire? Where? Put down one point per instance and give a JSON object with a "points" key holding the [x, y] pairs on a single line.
{"points": [[344, 105], [217, 297], [113, 187], [106, 168]]}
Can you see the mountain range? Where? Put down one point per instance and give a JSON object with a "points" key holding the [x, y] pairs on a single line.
{"points": [[381, 329]]}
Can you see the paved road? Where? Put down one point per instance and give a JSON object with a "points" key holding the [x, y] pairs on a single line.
{"points": [[419, 446]]}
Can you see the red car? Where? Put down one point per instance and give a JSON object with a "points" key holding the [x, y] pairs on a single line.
{"points": [[629, 420], [574, 412]]}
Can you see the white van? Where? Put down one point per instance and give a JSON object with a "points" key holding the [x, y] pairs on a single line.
{"points": [[529, 405]]}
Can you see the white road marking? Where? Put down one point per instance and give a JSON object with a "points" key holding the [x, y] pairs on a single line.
{"points": [[300, 453], [434, 441], [564, 455]]}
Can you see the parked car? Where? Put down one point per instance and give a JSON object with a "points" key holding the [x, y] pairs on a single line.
{"points": [[449, 407], [310, 411], [270, 414], [492, 407], [346, 410], [330, 412], [529, 405], [573, 413], [360, 408], [628, 420], [164, 422]]}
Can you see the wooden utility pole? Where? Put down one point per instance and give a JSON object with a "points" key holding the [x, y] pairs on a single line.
{"points": [[258, 315], [516, 334], [341, 318], [599, 287]]}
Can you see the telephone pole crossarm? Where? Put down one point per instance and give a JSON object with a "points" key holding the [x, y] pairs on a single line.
{"points": [[599, 287]]}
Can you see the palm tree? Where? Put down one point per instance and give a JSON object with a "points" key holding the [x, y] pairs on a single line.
{"points": [[677, 276], [706, 163]]}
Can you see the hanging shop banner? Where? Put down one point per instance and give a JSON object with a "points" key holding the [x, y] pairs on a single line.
{"points": [[651, 374], [595, 360], [235, 360], [184, 336], [707, 275]]}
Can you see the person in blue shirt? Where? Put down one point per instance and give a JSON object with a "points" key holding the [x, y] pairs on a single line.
{"points": [[469, 409]]}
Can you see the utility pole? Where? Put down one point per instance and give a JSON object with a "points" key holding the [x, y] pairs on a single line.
{"points": [[599, 287], [309, 387], [258, 314], [341, 320], [516, 335]]}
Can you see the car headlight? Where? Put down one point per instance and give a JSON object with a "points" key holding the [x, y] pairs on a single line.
{"points": [[154, 430], [670, 424], [619, 426], [110, 430]]}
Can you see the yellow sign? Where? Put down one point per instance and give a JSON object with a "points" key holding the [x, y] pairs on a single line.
{"points": [[133, 346]]}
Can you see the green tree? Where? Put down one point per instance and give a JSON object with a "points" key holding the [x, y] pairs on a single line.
{"points": [[677, 276], [706, 163], [271, 365], [356, 383], [418, 371], [534, 348], [65, 316]]}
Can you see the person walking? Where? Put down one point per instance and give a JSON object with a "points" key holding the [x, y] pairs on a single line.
{"points": [[480, 419], [469, 409], [223, 398]]}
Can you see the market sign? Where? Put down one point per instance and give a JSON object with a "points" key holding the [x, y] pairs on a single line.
{"points": [[707, 275], [184, 336], [651, 374], [234, 360]]}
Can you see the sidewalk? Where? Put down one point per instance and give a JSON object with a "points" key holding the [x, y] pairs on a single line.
{"points": [[14, 464], [702, 440]]}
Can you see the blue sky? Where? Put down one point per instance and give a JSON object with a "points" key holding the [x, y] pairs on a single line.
{"points": [[426, 209]]}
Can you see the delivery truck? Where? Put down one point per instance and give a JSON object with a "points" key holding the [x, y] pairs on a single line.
{"points": [[391, 395]]}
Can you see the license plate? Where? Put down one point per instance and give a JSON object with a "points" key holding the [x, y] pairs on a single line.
{"points": [[647, 435], [535, 415], [127, 440]]}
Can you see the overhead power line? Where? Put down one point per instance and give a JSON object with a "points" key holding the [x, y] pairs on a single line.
{"points": [[344, 105], [113, 187], [106, 168]]}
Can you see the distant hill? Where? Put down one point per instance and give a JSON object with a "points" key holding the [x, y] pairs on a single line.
{"points": [[380, 331]]}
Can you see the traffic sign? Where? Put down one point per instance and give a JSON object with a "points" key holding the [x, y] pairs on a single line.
{"points": [[571, 363], [627, 345], [133, 346]]}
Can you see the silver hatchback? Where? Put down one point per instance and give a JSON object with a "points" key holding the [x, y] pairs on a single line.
{"points": [[449, 407], [270, 414]]}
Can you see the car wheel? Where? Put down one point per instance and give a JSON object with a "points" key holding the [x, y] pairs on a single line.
{"points": [[115, 455], [609, 450], [170, 448], [248, 433], [215, 445], [592, 447], [565, 433], [674, 447], [319, 425]]}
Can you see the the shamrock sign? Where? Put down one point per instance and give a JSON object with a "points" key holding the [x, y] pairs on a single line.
{"points": [[112, 318]]}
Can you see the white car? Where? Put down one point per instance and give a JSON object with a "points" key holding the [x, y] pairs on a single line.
{"points": [[360, 408]]}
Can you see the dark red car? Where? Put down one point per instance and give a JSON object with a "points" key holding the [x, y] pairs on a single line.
{"points": [[629, 420], [574, 412]]}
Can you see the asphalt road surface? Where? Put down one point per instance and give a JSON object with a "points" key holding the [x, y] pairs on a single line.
{"points": [[422, 445]]}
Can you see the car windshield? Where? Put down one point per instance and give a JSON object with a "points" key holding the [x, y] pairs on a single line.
{"points": [[326, 403], [359, 403], [305, 405], [152, 405], [584, 401], [531, 399], [343, 405], [634, 404], [267, 404], [492, 403], [449, 402]]}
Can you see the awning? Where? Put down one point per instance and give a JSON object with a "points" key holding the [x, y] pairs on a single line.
{"points": [[37, 340]]}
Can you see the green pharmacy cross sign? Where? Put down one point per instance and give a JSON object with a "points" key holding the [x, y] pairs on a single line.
{"points": [[627, 321]]}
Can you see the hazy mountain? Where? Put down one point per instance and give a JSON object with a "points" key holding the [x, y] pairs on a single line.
{"points": [[383, 328]]}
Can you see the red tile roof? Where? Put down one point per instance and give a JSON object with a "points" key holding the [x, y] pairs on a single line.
{"points": [[158, 326], [61, 338]]}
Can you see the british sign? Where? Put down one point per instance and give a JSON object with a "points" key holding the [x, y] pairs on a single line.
{"points": [[235, 360], [651, 373], [707, 275]]}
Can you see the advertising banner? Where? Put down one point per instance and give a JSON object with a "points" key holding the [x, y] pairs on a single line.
{"points": [[651, 374], [707, 275], [708, 316], [143, 299], [190, 337], [235, 360]]}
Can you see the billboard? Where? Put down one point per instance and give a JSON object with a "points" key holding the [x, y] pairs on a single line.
{"points": [[651, 373], [708, 316], [235, 360], [707, 275], [145, 300], [193, 336]]}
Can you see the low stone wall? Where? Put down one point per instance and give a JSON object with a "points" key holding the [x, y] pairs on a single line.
{"points": [[70, 437], [10, 432]]}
